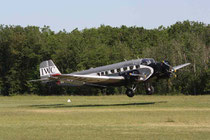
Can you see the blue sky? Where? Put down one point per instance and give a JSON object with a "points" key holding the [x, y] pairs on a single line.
{"points": [[71, 14]]}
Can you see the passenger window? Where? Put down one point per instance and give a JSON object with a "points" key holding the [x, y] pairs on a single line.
{"points": [[102, 73], [131, 67], [112, 71], [106, 72], [118, 70], [98, 74], [137, 66], [125, 68]]}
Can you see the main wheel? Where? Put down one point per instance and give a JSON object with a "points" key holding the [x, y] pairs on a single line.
{"points": [[129, 92], [150, 90]]}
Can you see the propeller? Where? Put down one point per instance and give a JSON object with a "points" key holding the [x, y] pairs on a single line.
{"points": [[169, 70]]}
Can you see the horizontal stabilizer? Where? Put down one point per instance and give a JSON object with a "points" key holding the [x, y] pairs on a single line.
{"points": [[39, 80]]}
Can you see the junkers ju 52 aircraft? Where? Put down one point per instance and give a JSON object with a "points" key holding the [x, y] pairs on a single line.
{"points": [[127, 73]]}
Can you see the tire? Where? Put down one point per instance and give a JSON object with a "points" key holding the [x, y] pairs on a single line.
{"points": [[129, 93], [150, 90]]}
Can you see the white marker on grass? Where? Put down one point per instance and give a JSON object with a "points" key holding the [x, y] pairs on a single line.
{"points": [[69, 101]]}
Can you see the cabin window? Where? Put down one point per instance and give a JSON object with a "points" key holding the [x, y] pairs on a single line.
{"points": [[102, 73], [118, 70], [98, 74], [106, 72], [125, 68], [112, 71], [131, 67], [137, 66]]}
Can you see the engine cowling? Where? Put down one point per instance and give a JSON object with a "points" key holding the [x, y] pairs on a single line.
{"points": [[164, 70]]}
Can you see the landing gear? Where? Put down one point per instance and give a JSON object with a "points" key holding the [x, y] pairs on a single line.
{"points": [[130, 91], [149, 89]]}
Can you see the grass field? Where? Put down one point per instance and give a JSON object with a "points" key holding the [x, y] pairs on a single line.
{"points": [[105, 117]]}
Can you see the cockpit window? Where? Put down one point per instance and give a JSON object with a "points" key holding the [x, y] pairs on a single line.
{"points": [[147, 61]]}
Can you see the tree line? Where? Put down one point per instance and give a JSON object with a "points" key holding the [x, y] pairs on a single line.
{"points": [[22, 49]]}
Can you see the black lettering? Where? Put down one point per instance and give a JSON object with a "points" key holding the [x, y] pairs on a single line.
{"points": [[42, 72], [46, 70], [50, 69]]}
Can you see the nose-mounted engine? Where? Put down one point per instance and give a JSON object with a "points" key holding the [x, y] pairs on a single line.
{"points": [[164, 70]]}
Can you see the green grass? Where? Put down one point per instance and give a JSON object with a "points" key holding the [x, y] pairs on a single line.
{"points": [[104, 117]]}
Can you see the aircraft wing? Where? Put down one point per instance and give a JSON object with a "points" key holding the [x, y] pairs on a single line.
{"points": [[180, 66], [87, 78]]}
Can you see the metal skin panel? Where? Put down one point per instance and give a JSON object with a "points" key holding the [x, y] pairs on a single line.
{"points": [[113, 66], [102, 80]]}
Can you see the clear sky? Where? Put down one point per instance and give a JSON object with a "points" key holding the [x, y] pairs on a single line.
{"points": [[71, 14]]}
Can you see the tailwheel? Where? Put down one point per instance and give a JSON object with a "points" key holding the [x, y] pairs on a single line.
{"points": [[149, 89], [129, 92]]}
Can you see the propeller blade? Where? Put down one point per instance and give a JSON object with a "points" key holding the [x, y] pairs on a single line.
{"points": [[169, 66], [180, 66], [166, 63]]}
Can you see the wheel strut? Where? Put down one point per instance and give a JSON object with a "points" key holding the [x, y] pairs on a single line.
{"points": [[149, 89]]}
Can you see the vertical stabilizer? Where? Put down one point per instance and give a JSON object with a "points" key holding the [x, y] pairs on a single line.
{"points": [[48, 68]]}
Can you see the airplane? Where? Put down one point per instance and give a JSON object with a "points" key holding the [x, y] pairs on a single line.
{"points": [[127, 73]]}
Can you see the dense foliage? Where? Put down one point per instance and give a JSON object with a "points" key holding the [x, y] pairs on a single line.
{"points": [[23, 48]]}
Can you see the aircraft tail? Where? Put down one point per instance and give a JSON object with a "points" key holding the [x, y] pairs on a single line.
{"points": [[48, 68]]}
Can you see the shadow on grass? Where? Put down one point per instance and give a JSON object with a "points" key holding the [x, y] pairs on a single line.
{"points": [[93, 105]]}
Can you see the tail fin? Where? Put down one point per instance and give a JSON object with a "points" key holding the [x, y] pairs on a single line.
{"points": [[48, 68]]}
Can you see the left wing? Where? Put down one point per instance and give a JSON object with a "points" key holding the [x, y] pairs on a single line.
{"points": [[87, 78]]}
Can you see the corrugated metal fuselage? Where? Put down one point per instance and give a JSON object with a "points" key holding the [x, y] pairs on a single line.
{"points": [[119, 70]]}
